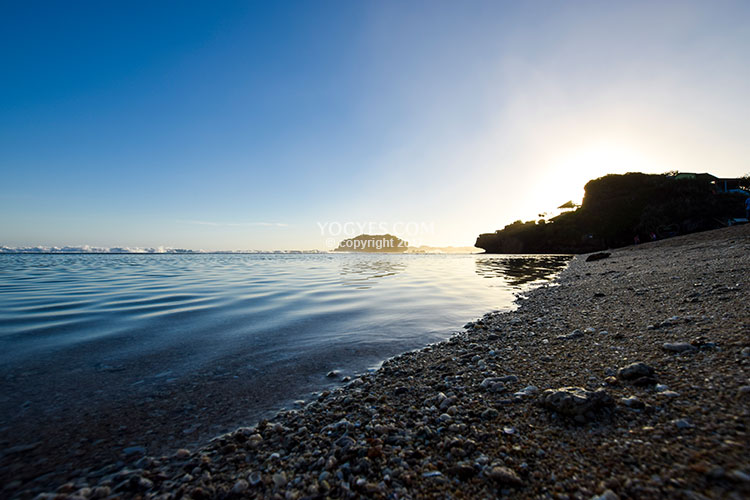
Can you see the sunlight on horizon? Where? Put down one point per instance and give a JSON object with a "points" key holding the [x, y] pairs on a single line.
{"points": [[566, 177]]}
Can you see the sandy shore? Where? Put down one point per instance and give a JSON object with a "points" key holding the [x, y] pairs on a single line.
{"points": [[479, 416]]}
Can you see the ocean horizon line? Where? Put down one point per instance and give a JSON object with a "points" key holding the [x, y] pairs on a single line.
{"points": [[96, 250], [85, 249]]}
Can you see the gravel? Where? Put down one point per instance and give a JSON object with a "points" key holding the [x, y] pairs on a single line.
{"points": [[437, 423]]}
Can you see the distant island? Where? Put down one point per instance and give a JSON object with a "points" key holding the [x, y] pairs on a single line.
{"points": [[378, 243], [619, 210]]}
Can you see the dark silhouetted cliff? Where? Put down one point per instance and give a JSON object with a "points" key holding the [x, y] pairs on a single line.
{"points": [[616, 209]]}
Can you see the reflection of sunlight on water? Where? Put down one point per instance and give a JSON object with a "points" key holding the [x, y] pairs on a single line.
{"points": [[364, 273], [519, 271], [510, 271]]}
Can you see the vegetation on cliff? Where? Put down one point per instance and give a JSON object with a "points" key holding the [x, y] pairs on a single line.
{"points": [[618, 208]]}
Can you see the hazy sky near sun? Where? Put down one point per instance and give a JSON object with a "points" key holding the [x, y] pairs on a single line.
{"points": [[248, 125]]}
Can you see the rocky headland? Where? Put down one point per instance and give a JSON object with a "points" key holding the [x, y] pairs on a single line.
{"points": [[626, 378], [618, 210]]}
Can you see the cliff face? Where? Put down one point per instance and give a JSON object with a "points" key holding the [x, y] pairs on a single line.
{"points": [[379, 243], [616, 209]]}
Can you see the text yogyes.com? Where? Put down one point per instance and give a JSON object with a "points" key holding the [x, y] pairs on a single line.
{"points": [[397, 228]]}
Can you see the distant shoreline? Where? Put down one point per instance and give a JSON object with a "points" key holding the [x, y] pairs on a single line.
{"points": [[291, 252], [294, 252]]}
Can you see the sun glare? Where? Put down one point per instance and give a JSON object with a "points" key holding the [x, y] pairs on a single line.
{"points": [[566, 177]]}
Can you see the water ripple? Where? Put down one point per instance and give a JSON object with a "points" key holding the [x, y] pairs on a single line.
{"points": [[151, 314]]}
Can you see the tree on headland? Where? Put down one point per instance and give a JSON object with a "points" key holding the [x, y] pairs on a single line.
{"points": [[568, 205]]}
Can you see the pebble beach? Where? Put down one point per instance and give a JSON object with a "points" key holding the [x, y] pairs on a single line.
{"points": [[628, 377]]}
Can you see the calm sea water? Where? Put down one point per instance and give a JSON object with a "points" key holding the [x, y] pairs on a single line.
{"points": [[103, 328]]}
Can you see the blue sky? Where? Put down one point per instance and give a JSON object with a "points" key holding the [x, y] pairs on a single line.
{"points": [[249, 125]]}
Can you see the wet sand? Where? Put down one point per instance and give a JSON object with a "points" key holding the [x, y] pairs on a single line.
{"points": [[481, 415]]}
